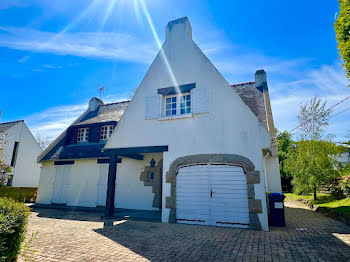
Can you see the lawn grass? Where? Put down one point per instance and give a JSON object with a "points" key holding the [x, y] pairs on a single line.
{"points": [[341, 206]]}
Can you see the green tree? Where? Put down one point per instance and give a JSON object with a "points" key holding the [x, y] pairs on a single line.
{"points": [[312, 166], [285, 143], [342, 29]]}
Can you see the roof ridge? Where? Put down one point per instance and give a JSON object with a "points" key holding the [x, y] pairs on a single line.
{"points": [[120, 102], [244, 83], [10, 122]]}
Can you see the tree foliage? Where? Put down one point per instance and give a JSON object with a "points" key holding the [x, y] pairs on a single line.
{"points": [[285, 143], [4, 168], [311, 165], [44, 142], [342, 29], [313, 119]]}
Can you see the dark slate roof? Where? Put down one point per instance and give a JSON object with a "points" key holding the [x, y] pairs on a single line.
{"points": [[110, 113], [253, 97], [7, 125], [76, 151], [105, 113]]}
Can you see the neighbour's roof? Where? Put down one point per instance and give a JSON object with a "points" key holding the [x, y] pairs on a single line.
{"points": [[6, 125], [105, 113], [253, 97]]}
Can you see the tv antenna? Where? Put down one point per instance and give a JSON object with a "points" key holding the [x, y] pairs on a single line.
{"points": [[101, 89]]}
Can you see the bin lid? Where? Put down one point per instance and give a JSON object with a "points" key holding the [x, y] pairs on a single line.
{"points": [[276, 194]]}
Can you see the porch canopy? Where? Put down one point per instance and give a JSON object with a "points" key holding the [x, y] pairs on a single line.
{"points": [[114, 155]]}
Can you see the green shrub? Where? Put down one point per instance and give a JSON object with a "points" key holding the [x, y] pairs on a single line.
{"points": [[345, 187], [336, 190], [13, 224]]}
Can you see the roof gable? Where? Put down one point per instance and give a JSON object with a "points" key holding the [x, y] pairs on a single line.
{"points": [[7, 125]]}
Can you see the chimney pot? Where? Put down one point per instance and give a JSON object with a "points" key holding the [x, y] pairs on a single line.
{"points": [[179, 29], [260, 79], [94, 103]]}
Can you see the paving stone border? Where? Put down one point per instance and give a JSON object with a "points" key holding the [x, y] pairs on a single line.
{"points": [[253, 177]]}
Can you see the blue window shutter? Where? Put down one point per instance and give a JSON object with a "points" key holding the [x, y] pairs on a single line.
{"points": [[152, 104], [200, 100]]}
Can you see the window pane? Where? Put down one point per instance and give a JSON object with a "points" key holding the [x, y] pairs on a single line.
{"points": [[174, 99], [174, 112], [188, 110], [168, 100]]}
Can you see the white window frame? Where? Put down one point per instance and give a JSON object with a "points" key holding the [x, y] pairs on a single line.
{"points": [[178, 105], [106, 132], [83, 135]]}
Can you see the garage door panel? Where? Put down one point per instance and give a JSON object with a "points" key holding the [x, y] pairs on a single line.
{"points": [[226, 206]]}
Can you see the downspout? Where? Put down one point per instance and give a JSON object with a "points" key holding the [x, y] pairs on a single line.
{"points": [[268, 153]]}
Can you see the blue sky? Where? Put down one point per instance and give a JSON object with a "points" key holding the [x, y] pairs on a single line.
{"points": [[54, 54]]}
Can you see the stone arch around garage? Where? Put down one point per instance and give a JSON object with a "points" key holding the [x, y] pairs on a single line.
{"points": [[253, 177]]}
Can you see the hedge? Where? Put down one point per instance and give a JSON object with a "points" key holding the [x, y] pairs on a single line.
{"points": [[13, 224], [21, 194]]}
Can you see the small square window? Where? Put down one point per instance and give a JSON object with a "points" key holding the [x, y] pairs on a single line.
{"points": [[170, 106], [83, 134], [185, 104], [106, 132]]}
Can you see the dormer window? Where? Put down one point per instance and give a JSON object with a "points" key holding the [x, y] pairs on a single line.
{"points": [[83, 134], [179, 104], [106, 131]]}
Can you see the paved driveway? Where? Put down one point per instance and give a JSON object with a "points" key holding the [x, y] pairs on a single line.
{"points": [[74, 236]]}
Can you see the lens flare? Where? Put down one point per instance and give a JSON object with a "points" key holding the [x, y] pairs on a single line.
{"points": [[156, 38]]}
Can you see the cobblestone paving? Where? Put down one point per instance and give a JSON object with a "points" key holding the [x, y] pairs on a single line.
{"points": [[73, 236]]}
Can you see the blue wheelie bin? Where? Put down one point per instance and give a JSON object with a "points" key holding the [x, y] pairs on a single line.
{"points": [[276, 210]]}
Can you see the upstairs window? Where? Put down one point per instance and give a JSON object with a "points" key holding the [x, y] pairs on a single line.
{"points": [[83, 134], [178, 104], [185, 104], [106, 132], [171, 105]]}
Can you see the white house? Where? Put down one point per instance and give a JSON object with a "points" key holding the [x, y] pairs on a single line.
{"points": [[189, 145], [20, 151]]}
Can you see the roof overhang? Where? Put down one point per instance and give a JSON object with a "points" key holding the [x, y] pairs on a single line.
{"points": [[134, 152]]}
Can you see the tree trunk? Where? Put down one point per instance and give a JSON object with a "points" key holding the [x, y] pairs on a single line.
{"points": [[315, 195]]}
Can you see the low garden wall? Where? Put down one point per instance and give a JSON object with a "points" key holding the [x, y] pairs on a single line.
{"points": [[20, 194]]}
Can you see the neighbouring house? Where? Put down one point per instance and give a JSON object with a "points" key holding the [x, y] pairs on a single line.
{"points": [[20, 152], [343, 158], [188, 145]]}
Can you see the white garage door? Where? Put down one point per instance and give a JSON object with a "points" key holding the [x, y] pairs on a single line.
{"points": [[102, 185], [61, 185], [212, 195]]}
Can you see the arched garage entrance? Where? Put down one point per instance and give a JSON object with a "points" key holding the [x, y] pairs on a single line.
{"points": [[252, 177], [212, 194]]}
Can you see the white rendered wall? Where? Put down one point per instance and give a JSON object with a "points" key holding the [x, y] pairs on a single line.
{"points": [[230, 127], [83, 180], [130, 191], [26, 171], [46, 182], [273, 176]]}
